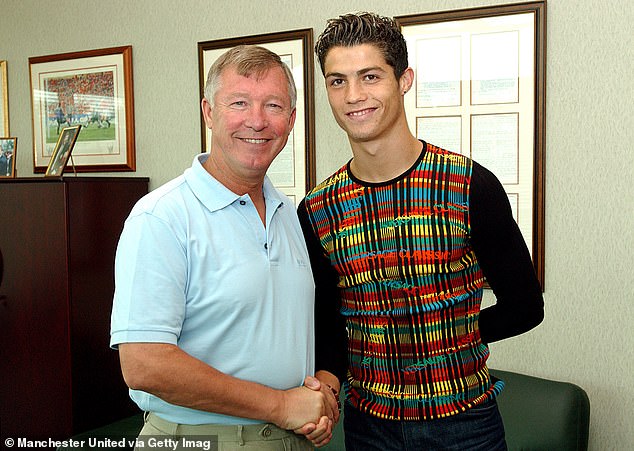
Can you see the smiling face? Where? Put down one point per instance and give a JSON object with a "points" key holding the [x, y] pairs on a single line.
{"points": [[251, 119], [365, 96]]}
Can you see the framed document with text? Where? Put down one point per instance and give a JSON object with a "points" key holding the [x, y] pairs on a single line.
{"points": [[293, 170], [479, 90]]}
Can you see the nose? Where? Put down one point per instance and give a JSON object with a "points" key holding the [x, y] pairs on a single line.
{"points": [[355, 92], [256, 118]]}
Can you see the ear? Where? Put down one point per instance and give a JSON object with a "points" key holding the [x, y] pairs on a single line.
{"points": [[406, 80], [206, 109], [291, 119]]}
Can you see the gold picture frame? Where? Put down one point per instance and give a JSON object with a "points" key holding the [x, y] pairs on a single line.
{"points": [[4, 100], [8, 149], [62, 152], [91, 88]]}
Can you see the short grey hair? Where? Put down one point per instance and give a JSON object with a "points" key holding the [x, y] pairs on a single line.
{"points": [[247, 60]]}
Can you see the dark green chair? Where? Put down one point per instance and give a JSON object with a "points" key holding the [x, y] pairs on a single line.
{"points": [[542, 414], [126, 429]]}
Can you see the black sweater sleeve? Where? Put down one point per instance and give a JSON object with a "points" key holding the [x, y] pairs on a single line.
{"points": [[505, 261], [331, 339]]}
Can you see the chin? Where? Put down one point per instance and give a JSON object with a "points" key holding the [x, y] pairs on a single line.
{"points": [[361, 136]]}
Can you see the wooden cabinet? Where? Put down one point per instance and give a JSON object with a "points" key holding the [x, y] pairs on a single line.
{"points": [[58, 238]]}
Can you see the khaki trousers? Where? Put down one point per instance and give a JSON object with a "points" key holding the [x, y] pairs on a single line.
{"points": [[157, 432]]}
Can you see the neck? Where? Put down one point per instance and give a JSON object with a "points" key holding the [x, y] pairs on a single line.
{"points": [[382, 160], [237, 183]]}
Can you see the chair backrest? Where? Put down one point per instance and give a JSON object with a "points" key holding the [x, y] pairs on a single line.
{"points": [[541, 414]]}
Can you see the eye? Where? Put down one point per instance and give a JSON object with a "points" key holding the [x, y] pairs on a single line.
{"points": [[335, 82], [239, 104], [371, 77]]}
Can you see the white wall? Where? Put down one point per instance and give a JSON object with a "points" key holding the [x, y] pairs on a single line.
{"points": [[587, 336]]}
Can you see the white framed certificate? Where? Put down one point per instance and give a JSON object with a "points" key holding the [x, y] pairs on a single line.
{"points": [[484, 97]]}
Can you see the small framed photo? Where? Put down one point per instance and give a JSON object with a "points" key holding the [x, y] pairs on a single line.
{"points": [[8, 147], [91, 88], [61, 153]]}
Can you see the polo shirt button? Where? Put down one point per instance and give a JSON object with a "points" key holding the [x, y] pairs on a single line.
{"points": [[242, 202], [266, 245]]}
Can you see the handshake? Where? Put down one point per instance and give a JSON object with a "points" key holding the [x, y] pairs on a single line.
{"points": [[311, 410]]}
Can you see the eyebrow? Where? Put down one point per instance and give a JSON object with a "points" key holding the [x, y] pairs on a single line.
{"points": [[359, 72], [247, 95]]}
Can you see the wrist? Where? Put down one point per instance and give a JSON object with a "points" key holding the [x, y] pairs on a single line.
{"points": [[327, 378], [277, 413], [335, 393]]}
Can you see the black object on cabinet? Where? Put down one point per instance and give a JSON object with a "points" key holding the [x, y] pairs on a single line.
{"points": [[58, 239]]}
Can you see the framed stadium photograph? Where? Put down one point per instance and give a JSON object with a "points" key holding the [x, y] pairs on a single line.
{"points": [[8, 147], [61, 153], [93, 89], [293, 170]]}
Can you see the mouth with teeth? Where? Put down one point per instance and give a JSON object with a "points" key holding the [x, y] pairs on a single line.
{"points": [[254, 140], [360, 113]]}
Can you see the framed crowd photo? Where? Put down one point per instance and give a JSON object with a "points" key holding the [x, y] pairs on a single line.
{"points": [[293, 170], [480, 90], [93, 89], [62, 151], [8, 148], [4, 101]]}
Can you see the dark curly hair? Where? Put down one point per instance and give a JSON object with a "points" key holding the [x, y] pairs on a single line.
{"points": [[365, 28]]}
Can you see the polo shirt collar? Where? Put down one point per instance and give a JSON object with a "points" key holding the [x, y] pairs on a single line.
{"points": [[214, 195]]}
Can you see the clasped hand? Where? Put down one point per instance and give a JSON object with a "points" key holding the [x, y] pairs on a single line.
{"points": [[312, 411]]}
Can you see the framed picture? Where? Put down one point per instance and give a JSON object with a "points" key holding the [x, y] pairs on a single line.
{"points": [[62, 151], [93, 89], [8, 147], [480, 90], [4, 101], [293, 171]]}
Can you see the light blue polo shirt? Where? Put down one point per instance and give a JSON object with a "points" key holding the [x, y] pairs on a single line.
{"points": [[196, 267]]}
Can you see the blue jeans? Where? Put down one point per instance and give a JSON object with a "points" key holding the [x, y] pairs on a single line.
{"points": [[478, 429]]}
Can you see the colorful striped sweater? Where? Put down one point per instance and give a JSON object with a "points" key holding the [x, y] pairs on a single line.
{"points": [[410, 287]]}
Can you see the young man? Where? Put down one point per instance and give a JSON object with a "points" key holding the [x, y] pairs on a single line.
{"points": [[401, 239], [213, 306]]}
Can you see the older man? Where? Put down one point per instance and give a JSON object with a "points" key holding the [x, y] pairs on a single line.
{"points": [[213, 307]]}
